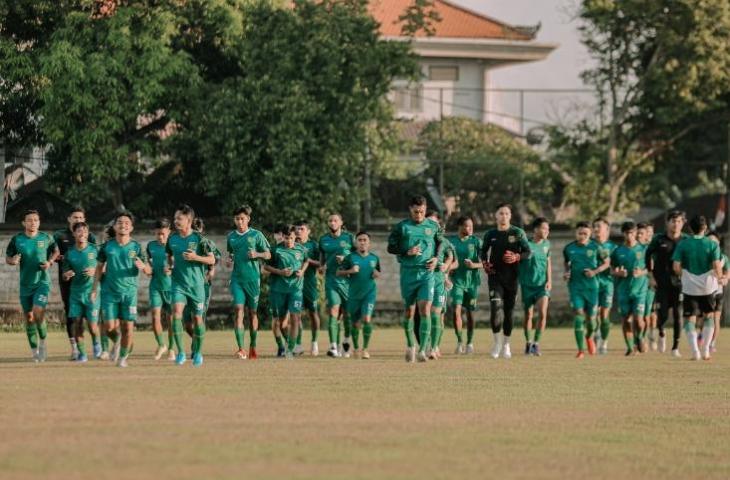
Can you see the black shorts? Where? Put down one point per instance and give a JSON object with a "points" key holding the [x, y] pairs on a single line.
{"points": [[696, 305], [667, 295], [717, 300]]}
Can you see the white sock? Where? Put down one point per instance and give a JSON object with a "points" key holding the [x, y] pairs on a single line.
{"points": [[497, 338], [692, 340], [505, 340], [707, 332]]}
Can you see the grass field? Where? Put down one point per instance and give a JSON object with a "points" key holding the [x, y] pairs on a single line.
{"points": [[460, 417]]}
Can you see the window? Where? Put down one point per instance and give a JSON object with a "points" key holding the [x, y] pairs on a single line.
{"points": [[408, 99], [443, 74]]}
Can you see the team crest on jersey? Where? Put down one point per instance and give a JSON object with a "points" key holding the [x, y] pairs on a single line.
{"points": [[192, 245], [41, 244], [590, 253], [343, 244], [132, 254], [638, 255], [429, 231], [545, 249], [251, 241], [471, 248], [372, 263], [511, 239], [298, 256], [90, 255]]}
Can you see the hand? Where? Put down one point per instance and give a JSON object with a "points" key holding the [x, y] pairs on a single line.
{"points": [[723, 281], [589, 273], [287, 272], [638, 272], [489, 267], [376, 274], [229, 262], [68, 275], [444, 268], [92, 296], [548, 286], [189, 255], [566, 275], [414, 251], [139, 264], [90, 272], [299, 273], [253, 254], [468, 263], [355, 268], [339, 258], [431, 264], [621, 272], [45, 265], [14, 260], [510, 257]]}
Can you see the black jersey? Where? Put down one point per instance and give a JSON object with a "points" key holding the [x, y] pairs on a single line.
{"points": [[496, 243]]}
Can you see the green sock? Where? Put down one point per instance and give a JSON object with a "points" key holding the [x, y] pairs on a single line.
{"points": [[348, 326], [440, 332], [425, 334], [94, 338], [408, 328], [81, 346], [254, 335], [279, 341], [177, 333], [339, 333], [526, 331], [315, 335], [580, 334], [32, 333], [123, 352], [291, 343], [286, 337], [332, 328], [629, 340], [199, 336], [367, 332], [590, 327], [104, 342], [605, 328], [538, 334], [435, 329], [159, 339], [355, 337], [469, 336], [43, 330], [459, 335], [170, 340], [299, 335], [238, 332]]}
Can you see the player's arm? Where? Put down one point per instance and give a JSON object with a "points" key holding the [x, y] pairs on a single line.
{"points": [[394, 241], [52, 254], [100, 269], [376, 270], [12, 257], [347, 268], [677, 260], [549, 282], [566, 264], [67, 271], [484, 254]]}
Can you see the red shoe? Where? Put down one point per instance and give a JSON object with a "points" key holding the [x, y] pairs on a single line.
{"points": [[580, 355], [591, 346], [252, 354]]}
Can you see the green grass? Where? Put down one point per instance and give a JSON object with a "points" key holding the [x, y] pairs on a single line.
{"points": [[470, 417]]}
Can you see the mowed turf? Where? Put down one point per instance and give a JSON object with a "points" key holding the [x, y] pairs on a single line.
{"points": [[460, 417]]}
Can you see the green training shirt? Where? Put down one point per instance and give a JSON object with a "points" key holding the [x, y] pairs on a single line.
{"points": [[605, 250], [361, 283], [582, 257], [533, 270], [313, 253], [239, 245], [292, 258], [467, 248], [444, 249], [121, 275], [697, 254], [33, 251], [408, 234], [78, 261], [630, 258], [184, 272], [330, 247], [157, 255]]}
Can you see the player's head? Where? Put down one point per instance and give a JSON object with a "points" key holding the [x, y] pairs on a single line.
{"points": [[601, 229], [242, 217], [698, 224], [465, 225], [31, 220], [642, 232], [109, 231], [198, 225], [184, 217], [582, 233], [123, 223], [629, 231], [434, 216], [80, 232], [303, 230], [503, 214], [334, 222], [363, 241], [541, 228], [289, 236], [715, 237], [77, 214], [279, 230], [162, 230], [675, 221], [417, 208]]}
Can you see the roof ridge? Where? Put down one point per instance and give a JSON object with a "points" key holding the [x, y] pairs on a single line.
{"points": [[484, 16]]}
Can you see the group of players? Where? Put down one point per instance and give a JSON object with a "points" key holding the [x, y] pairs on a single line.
{"points": [[646, 274]]}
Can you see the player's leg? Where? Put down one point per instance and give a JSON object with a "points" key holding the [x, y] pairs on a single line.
{"points": [[157, 330], [580, 305], [178, 308], [424, 299], [528, 302], [691, 312], [65, 288], [674, 304], [92, 320], [496, 316], [238, 298], [457, 301], [542, 307], [334, 301], [509, 301], [80, 344], [31, 329], [40, 300], [367, 333], [127, 317]]}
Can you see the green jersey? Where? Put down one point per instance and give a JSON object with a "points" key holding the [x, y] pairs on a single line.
{"points": [[533, 270], [187, 273], [121, 275], [239, 245], [630, 258], [362, 283], [467, 248], [313, 253], [605, 250], [78, 261], [291, 258], [697, 254], [445, 249], [157, 255], [330, 247], [33, 252], [408, 234], [579, 258]]}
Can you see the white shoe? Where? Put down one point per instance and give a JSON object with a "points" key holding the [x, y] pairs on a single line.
{"points": [[506, 351], [603, 347], [421, 357], [289, 355], [114, 356], [365, 355], [315, 349], [696, 355], [410, 354], [662, 347], [34, 355], [42, 351], [122, 362], [347, 354], [298, 350], [104, 356], [171, 355], [496, 348], [161, 350], [676, 354], [74, 354], [332, 352], [470, 349], [459, 349]]}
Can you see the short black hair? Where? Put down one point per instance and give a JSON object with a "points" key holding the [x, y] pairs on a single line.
{"points": [[433, 213], [280, 227], [675, 213], [504, 205], [601, 220], [245, 209], [288, 230], [109, 231], [463, 219], [417, 201], [198, 225], [31, 211], [162, 223], [124, 214], [77, 209], [628, 226], [641, 225], [78, 225], [697, 224], [539, 221], [362, 232], [185, 209], [301, 223], [582, 225]]}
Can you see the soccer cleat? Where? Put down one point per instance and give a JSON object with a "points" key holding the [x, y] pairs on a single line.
{"points": [[410, 354], [506, 351], [280, 352], [180, 359], [629, 352], [171, 355], [122, 363], [197, 359], [115, 351], [73, 356], [580, 355], [104, 356], [528, 348], [365, 355], [346, 353], [676, 354], [535, 349], [97, 350], [34, 355], [252, 355], [696, 355], [421, 357], [496, 348], [82, 358], [460, 350], [161, 350], [470, 349], [241, 354], [603, 348], [332, 352], [289, 355], [315, 349], [42, 351], [662, 345], [591, 346], [346, 346], [298, 350]]}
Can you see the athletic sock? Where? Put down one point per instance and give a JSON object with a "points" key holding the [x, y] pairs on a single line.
{"points": [[159, 339], [82, 347], [94, 338], [254, 336], [367, 332], [424, 331], [355, 337], [279, 341], [332, 328], [104, 342], [436, 329], [348, 326], [629, 340], [538, 334], [299, 334], [526, 331], [440, 332], [113, 336], [43, 330], [707, 331], [31, 331], [459, 336], [579, 330], [291, 342], [408, 329], [590, 327], [605, 328], [123, 352], [170, 339], [691, 331], [238, 332], [315, 335], [177, 329], [199, 336], [469, 336]]}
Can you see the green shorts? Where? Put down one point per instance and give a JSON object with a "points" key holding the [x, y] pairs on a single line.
{"points": [[531, 294], [605, 293], [81, 306], [631, 304], [358, 308], [310, 293], [285, 302], [466, 297], [119, 306], [439, 294], [160, 299], [336, 292], [649, 305], [36, 297], [416, 285], [193, 297], [245, 293], [585, 300]]}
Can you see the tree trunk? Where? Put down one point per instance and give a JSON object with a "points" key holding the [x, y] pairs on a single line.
{"points": [[117, 197]]}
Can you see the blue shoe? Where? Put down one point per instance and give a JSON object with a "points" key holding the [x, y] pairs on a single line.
{"points": [[281, 352], [535, 349], [82, 358], [197, 360], [97, 350], [180, 358]]}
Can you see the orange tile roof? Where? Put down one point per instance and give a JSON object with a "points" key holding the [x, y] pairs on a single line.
{"points": [[456, 21]]}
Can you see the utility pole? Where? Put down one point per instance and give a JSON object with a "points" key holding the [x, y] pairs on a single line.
{"points": [[441, 128], [726, 304], [367, 202]]}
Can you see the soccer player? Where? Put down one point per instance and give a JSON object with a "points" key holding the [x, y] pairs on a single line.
{"points": [[698, 261], [645, 232], [160, 288], [35, 252], [719, 296], [446, 262], [629, 267], [79, 268], [663, 279], [188, 254], [601, 232], [502, 249], [583, 262], [466, 279], [279, 326], [64, 240], [536, 279], [119, 262], [415, 241], [246, 248], [362, 269], [288, 263], [311, 286], [334, 247]]}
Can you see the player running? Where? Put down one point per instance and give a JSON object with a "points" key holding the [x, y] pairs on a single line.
{"points": [[414, 241], [446, 263], [718, 297], [160, 289], [601, 233], [466, 278], [310, 291], [536, 279], [698, 261], [502, 250], [644, 234], [35, 252]]}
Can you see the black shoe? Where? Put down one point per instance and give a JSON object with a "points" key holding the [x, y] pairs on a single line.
{"points": [[527, 348], [346, 347], [280, 352]]}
